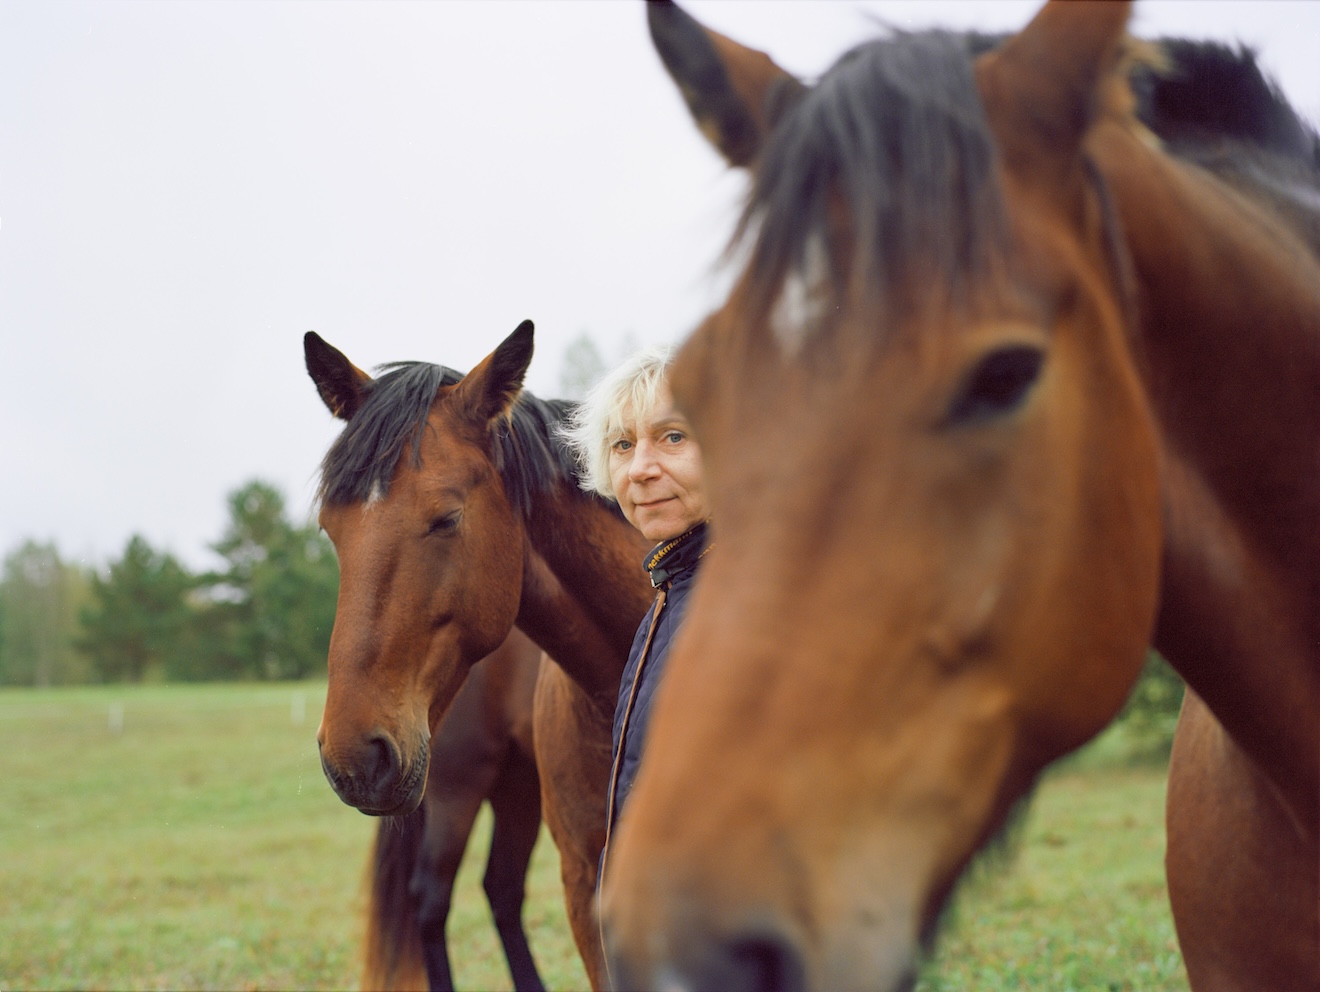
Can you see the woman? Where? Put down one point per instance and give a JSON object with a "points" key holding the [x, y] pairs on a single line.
{"points": [[637, 450]]}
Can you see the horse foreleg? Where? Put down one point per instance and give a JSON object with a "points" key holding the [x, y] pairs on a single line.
{"points": [[449, 820], [1242, 872], [516, 803], [573, 758], [580, 875]]}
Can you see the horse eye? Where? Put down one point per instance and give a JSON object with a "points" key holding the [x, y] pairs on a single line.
{"points": [[998, 384], [445, 524]]}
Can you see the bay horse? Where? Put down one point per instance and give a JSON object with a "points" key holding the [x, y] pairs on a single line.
{"points": [[481, 751], [456, 513], [1005, 392]]}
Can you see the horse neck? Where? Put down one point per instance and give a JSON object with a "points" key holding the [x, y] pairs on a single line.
{"points": [[1230, 343], [584, 589]]}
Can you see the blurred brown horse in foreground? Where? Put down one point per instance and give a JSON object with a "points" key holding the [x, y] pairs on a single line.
{"points": [[456, 513], [1005, 393], [481, 751]]}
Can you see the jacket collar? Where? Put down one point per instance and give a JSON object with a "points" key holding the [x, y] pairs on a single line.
{"points": [[669, 559]]}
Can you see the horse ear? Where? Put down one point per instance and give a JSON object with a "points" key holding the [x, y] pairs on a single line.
{"points": [[1045, 86], [735, 93], [488, 391], [342, 384]]}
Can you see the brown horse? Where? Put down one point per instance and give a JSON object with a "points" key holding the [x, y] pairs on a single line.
{"points": [[456, 513], [1005, 392], [482, 750]]}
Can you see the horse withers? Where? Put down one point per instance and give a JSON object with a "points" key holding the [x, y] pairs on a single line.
{"points": [[1004, 392]]}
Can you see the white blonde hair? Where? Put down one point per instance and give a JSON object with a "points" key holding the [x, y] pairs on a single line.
{"points": [[626, 395]]}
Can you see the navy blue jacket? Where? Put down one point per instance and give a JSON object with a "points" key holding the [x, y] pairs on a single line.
{"points": [[673, 566]]}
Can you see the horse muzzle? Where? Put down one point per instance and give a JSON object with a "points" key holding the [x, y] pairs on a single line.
{"points": [[375, 777], [759, 959]]}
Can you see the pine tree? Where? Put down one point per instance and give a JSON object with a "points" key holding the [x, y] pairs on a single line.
{"points": [[275, 602], [138, 621]]}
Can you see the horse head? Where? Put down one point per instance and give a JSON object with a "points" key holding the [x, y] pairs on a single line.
{"points": [[935, 483], [431, 552]]}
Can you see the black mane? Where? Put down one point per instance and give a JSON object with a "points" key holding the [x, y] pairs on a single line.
{"points": [[898, 129], [1212, 106], [1212, 93], [527, 450]]}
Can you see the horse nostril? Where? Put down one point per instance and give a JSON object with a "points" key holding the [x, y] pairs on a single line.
{"points": [[766, 962], [381, 763], [751, 960]]}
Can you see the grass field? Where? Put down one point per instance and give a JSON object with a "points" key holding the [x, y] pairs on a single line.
{"points": [[184, 837]]}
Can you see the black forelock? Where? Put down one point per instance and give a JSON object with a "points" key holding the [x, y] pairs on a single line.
{"points": [[897, 129], [526, 448]]}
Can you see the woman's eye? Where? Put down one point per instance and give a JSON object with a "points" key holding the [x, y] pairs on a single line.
{"points": [[675, 437], [622, 445]]}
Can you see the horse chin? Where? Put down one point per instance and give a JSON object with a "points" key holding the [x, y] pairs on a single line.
{"points": [[409, 805]]}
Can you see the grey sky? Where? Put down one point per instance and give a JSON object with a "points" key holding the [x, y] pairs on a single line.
{"points": [[187, 187]]}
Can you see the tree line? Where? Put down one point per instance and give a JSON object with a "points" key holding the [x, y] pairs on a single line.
{"points": [[266, 614]]}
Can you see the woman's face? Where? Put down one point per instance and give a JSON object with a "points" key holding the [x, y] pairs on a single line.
{"points": [[655, 469]]}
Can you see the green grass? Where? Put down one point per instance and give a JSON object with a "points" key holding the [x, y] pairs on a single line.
{"points": [[202, 848], [1080, 903]]}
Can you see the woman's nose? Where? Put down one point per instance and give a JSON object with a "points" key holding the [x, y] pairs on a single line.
{"points": [[645, 464]]}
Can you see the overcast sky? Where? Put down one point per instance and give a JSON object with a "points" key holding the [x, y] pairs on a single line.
{"points": [[187, 187]]}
